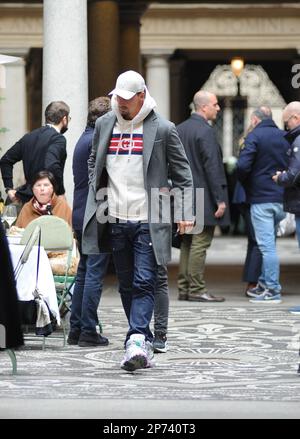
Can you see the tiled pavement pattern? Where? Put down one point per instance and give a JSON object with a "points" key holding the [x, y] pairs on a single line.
{"points": [[216, 353], [234, 352]]}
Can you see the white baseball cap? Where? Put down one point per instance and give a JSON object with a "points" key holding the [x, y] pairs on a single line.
{"points": [[128, 84]]}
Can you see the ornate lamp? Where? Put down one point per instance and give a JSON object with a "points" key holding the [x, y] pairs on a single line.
{"points": [[237, 66]]}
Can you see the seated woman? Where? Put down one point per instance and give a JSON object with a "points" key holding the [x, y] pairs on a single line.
{"points": [[44, 202]]}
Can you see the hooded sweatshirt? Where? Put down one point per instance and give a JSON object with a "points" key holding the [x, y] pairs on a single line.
{"points": [[127, 198]]}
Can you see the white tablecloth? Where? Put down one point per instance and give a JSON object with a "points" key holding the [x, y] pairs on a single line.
{"points": [[27, 277]]}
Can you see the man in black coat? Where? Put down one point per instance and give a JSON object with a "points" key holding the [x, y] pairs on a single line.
{"points": [[91, 268], [290, 177], [41, 149], [265, 152], [205, 157]]}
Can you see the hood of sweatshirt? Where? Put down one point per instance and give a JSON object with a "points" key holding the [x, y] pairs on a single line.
{"points": [[148, 105], [125, 125]]}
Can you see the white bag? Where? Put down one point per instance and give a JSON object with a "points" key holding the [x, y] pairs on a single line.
{"points": [[287, 226]]}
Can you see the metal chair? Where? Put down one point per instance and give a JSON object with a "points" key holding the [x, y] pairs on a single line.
{"points": [[33, 236], [56, 235], [13, 359], [30, 242]]}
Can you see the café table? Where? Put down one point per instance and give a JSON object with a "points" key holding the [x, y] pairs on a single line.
{"points": [[26, 280]]}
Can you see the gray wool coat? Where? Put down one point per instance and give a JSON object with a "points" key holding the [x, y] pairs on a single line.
{"points": [[163, 157]]}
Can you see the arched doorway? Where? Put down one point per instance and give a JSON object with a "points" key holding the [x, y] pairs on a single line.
{"points": [[256, 88]]}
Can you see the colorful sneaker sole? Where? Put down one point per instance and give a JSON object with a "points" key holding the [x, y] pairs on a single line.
{"points": [[136, 362]]}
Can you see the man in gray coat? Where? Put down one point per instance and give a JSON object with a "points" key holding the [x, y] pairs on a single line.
{"points": [[205, 156], [133, 150]]}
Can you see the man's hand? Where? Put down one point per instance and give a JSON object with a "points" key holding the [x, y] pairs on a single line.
{"points": [[275, 177], [221, 210], [184, 227], [12, 195]]}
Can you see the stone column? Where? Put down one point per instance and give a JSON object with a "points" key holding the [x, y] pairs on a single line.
{"points": [[65, 68], [158, 80], [179, 103], [34, 69], [13, 112], [130, 15], [103, 38], [227, 131]]}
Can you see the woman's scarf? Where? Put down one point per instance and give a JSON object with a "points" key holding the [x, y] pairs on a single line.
{"points": [[43, 209]]}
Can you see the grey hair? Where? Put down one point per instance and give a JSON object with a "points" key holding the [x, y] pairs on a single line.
{"points": [[263, 112]]}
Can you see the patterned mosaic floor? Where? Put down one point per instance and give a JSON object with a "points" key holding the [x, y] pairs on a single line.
{"points": [[216, 353]]}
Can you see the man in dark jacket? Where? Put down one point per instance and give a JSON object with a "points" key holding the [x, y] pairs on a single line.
{"points": [[91, 268], [205, 157], [41, 149], [290, 178], [264, 153]]}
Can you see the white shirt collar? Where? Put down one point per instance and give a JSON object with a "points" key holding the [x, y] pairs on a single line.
{"points": [[53, 126]]}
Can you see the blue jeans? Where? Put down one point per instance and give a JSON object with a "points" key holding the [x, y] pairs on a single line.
{"points": [[253, 261], [136, 269], [265, 218], [87, 291]]}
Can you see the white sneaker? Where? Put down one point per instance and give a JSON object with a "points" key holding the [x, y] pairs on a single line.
{"points": [[136, 354], [150, 353], [268, 296]]}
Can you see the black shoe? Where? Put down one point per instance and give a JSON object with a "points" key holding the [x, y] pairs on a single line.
{"points": [[160, 343], [205, 297], [73, 337], [87, 340], [182, 296]]}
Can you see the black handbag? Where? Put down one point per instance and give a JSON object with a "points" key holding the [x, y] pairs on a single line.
{"points": [[28, 313], [176, 237]]}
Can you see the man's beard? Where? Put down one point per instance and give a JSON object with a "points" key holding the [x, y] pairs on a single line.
{"points": [[125, 113], [64, 129]]}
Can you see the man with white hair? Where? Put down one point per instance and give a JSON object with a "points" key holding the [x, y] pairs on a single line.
{"points": [[133, 150], [290, 177]]}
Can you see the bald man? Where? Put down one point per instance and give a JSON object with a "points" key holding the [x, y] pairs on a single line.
{"points": [[206, 161], [290, 178]]}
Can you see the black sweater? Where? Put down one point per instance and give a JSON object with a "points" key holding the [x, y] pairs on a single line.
{"points": [[41, 149]]}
